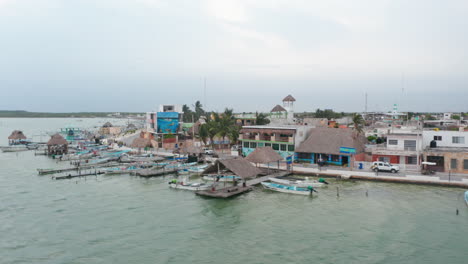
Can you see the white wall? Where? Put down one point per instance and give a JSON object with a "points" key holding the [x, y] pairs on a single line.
{"points": [[401, 141], [428, 136]]}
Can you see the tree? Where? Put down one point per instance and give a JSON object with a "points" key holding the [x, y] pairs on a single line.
{"points": [[187, 118], [203, 133], [456, 117], [358, 123], [198, 109], [261, 119]]}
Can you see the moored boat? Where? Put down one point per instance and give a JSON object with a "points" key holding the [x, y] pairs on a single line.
{"points": [[191, 186], [466, 198], [306, 183], [122, 170], [14, 148], [222, 178], [288, 189]]}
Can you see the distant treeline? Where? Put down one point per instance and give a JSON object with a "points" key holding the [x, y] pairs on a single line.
{"points": [[21, 113]]}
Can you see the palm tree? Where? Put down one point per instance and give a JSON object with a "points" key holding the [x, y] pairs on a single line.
{"points": [[198, 109], [261, 119], [358, 123], [187, 113], [203, 133]]}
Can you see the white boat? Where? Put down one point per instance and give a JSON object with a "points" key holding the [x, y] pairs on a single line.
{"points": [[14, 148], [191, 186], [193, 170], [466, 198], [122, 170], [288, 189], [222, 178], [305, 183]]}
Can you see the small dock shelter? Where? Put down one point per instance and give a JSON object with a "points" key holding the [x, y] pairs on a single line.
{"points": [[238, 166], [264, 155], [16, 137], [57, 145]]}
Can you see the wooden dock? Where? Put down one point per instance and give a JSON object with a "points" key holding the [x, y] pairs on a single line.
{"points": [[69, 176], [225, 192], [82, 167], [258, 180]]}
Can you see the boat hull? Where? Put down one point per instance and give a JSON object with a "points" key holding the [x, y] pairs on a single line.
{"points": [[304, 184], [229, 178], [190, 187], [286, 189]]}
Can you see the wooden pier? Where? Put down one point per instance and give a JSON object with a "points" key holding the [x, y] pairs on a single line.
{"points": [[82, 167], [258, 180], [69, 176]]}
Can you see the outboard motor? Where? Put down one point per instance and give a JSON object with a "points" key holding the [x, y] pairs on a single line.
{"points": [[321, 180]]}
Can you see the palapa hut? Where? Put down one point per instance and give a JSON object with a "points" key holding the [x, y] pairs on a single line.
{"points": [[264, 155], [57, 145], [239, 166], [16, 137], [107, 124]]}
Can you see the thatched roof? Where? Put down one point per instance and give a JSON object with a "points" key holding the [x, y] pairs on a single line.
{"points": [[289, 98], [107, 124], [141, 143], [132, 126], [238, 166], [264, 155], [57, 139], [278, 108], [17, 134], [329, 140]]}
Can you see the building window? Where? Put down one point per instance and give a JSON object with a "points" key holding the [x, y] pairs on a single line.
{"points": [[410, 144], [276, 146], [267, 144], [246, 144], [393, 142], [412, 160], [438, 138], [453, 164], [465, 164], [283, 147], [384, 159], [458, 140], [260, 144], [291, 148], [253, 144]]}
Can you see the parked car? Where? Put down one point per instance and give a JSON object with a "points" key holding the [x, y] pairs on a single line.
{"points": [[384, 166], [208, 151]]}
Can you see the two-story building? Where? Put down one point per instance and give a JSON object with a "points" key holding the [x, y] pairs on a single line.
{"points": [[447, 149], [402, 147], [165, 125], [283, 139]]}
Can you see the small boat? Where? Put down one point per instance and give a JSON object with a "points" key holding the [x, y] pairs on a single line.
{"points": [[14, 148], [98, 161], [198, 169], [288, 189], [222, 178], [305, 183], [191, 186], [122, 170], [466, 198]]}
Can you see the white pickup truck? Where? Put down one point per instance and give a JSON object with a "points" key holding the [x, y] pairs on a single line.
{"points": [[384, 166]]}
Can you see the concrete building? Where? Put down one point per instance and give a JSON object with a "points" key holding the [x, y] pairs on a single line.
{"points": [[283, 115], [404, 148], [447, 149], [283, 139]]}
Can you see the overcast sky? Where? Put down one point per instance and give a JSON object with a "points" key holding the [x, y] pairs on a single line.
{"points": [[131, 55]]}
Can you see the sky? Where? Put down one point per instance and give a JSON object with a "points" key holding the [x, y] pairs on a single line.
{"points": [[132, 55]]}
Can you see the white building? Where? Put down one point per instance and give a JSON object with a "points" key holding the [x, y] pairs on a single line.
{"points": [[444, 138]]}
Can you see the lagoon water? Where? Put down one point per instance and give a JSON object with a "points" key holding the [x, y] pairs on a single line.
{"points": [[126, 219]]}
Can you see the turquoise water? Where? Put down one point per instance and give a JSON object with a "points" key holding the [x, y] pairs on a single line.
{"points": [[126, 219]]}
